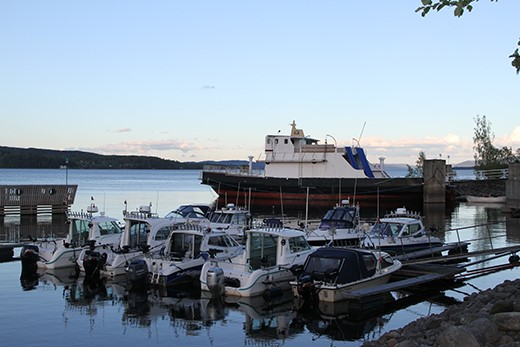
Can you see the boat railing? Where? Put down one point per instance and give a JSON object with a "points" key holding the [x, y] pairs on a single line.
{"points": [[479, 175], [242, 170]]}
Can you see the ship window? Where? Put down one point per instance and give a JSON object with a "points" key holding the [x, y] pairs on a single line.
{"points": [[285, 141], [268, 141], [275, 141]]}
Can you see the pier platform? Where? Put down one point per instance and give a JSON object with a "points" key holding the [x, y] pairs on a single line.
{"points": [[36, 199]]}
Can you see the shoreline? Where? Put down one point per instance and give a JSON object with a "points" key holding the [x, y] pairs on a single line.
{"points": [[488, 318]]}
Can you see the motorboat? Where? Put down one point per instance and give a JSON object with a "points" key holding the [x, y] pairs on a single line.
{"points": [[144, 233], [400, 232], [187, 248], [191, 213], [340, 226], [331, 273], [301, 171], [85, 228], [104, 233], [264, 268], [232, 219]]}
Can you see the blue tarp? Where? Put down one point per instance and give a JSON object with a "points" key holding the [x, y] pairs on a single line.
{"points": [[358, 160], [364, 162]]}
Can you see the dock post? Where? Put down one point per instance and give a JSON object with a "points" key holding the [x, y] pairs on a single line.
{"points": [[513, 188], [434, 176]]}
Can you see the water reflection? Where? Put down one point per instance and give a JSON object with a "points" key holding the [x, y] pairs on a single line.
{"points": [[266, 321]]}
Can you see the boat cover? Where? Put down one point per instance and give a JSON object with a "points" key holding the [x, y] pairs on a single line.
{"points": [[340, 265]]}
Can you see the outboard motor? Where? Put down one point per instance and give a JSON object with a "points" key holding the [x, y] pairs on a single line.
{"points": [[215, 280], [137, 271], [92, 263], [29, 257]]}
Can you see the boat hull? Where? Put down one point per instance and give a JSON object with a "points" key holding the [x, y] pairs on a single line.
{"points": [[340, 293], [318, 194]]}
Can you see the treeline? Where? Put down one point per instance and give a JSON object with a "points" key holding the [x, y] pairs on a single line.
{"points": [[34, 158]]}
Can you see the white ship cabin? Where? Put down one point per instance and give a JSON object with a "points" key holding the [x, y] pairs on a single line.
{"points": [[300, 156]]}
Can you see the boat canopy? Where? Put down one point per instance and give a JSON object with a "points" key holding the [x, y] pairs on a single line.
{"points": [[344, 217], [340, 265]]}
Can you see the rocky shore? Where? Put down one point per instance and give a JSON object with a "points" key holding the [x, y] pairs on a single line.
{"points": [[489, 318]]}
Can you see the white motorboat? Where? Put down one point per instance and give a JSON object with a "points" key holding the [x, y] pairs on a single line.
{"points": [[330, 273], [340, 226], [231, 219], [263, 268], [84, 228], [187, 249], [104, 233], [400, 232], [144, 232]]}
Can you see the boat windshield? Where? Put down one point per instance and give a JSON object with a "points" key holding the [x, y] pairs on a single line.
{"points": [[322, 269], [387, 229], [262, 250], [298, 244], [138, 233], [223, 241], [339, 217], [79, 231], [185, 245], [109, 228]]}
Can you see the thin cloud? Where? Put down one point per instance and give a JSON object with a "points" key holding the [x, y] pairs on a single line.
{"points": [[147, 147], [123, 130]]}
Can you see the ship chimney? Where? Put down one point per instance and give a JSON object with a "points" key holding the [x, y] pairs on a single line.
{"points": [[382, 163]]}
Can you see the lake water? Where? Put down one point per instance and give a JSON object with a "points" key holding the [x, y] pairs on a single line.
{"points": [[58, 309]]}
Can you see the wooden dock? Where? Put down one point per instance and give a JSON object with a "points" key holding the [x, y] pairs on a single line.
{"points": [[36, 199], [419, 268]]}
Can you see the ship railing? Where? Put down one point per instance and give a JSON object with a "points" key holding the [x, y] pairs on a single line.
{"points": [[477, 174], [242, 170]]}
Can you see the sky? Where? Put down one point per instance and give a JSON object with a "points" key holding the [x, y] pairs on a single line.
{"points": [[208, 80]]}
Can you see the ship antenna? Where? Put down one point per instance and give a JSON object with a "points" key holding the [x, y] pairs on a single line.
{"points": [[361, 134]]}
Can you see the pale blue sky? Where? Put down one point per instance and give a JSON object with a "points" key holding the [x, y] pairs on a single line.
{"points": [[201, 80]]}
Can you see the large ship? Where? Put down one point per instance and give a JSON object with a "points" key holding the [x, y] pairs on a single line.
{"points": [[300, 174]]}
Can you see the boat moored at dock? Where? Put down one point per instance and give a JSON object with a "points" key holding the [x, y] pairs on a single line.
{"points": [[263, 268], [187, 248], [331, 272], [399, 232], [85, 229]]}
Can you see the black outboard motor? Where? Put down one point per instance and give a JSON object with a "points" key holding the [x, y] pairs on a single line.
{"points": [[137, 271], [29, 257], [92, 263]]}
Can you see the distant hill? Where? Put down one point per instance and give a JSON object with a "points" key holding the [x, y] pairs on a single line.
{"points": [[34, 158]]}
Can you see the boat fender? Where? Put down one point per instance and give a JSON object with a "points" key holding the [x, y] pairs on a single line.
{"points": [[514, 259]]}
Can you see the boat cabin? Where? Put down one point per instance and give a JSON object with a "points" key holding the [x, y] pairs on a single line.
{"points": [[342, 265]]}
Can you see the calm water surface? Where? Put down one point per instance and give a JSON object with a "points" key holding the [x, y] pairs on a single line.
{"points": [[56, 308]]}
